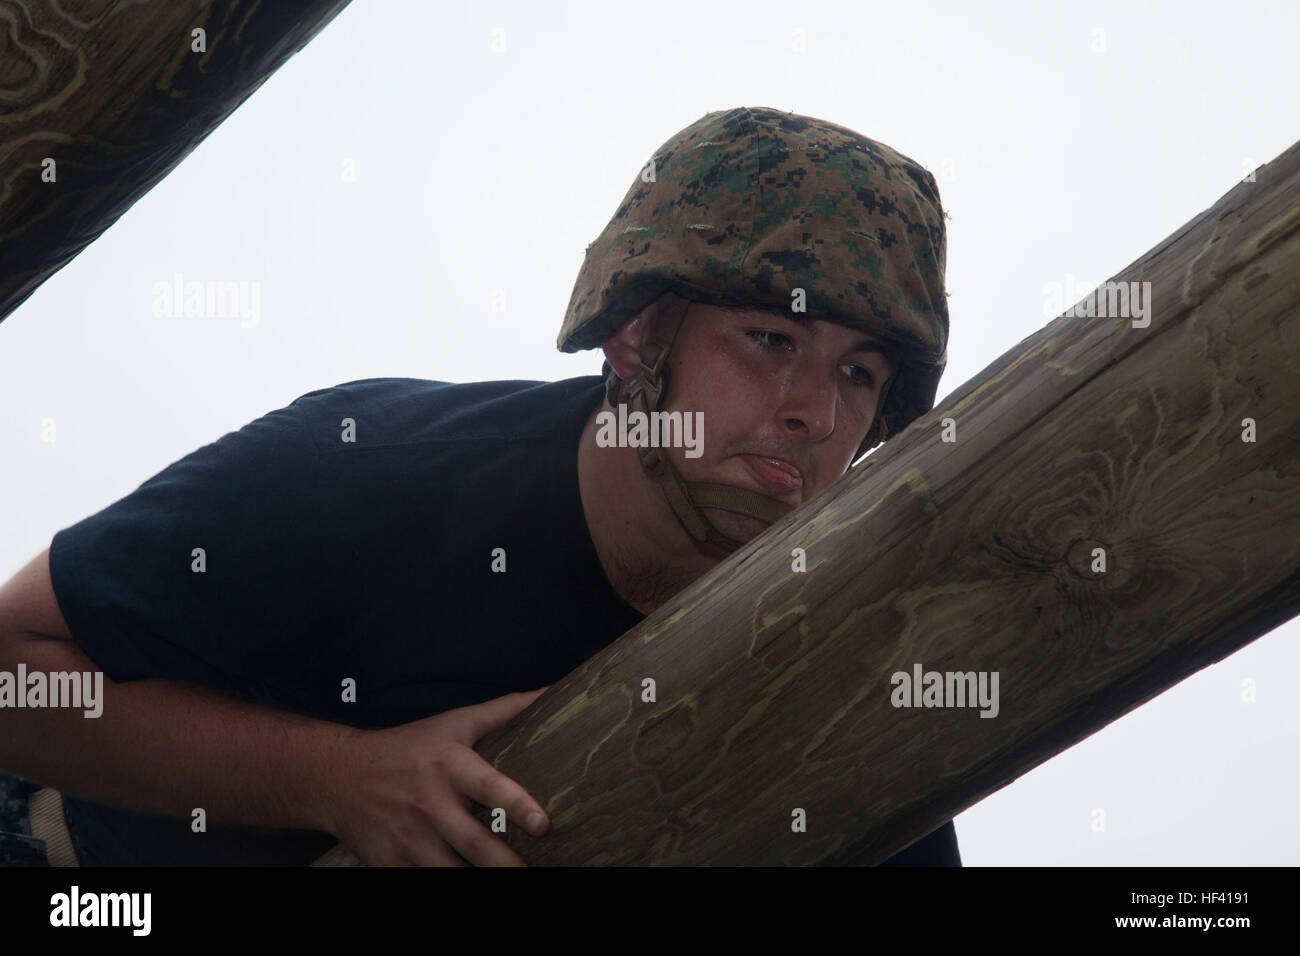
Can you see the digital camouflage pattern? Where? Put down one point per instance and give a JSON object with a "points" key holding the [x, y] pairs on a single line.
{"points": [[17, 845], [746, 205]]}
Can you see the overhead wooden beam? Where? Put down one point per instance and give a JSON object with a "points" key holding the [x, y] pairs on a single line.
{"points": [[99, 100], [1094, 438]]}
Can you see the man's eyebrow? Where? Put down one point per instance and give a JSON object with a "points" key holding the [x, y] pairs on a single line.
{"points": [[873, 345], [865, 344]]}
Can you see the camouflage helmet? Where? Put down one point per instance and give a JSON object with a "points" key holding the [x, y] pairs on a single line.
{"points": [[748, 205]]}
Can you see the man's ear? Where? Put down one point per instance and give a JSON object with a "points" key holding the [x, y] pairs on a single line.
{"points": [[623, 348]]}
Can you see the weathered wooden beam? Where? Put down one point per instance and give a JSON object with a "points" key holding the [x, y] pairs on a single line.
{"points": [[1094, 437], [99, 100]]}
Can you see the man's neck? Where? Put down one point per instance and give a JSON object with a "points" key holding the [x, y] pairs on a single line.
{"points": [[646, 554]]}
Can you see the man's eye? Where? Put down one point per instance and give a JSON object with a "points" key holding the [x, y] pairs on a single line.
{"points": [[765, 338], [860, 375]]}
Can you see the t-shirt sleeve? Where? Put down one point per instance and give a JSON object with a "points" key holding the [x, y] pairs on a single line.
{"points": [[209, 571]]}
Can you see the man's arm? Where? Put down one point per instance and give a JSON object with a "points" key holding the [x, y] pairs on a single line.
{"points": [[167, 747], [159, 746]]}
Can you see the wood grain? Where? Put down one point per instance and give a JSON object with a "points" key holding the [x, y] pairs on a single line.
{"points": [[112, 92]]}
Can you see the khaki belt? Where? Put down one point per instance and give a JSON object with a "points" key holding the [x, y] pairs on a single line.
{"points": [[45, 809]]}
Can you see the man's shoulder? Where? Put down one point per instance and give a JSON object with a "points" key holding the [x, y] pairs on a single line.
{"points": [[403, 411]]}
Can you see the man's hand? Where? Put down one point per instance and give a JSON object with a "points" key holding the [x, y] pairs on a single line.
{"points": [[402, 796]]}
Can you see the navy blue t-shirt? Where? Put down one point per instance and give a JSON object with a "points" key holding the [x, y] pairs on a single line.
{"points": [[350, 534]]}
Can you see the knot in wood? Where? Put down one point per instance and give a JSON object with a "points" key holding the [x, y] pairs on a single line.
{"points": [[1086, 556], [663, 735]]}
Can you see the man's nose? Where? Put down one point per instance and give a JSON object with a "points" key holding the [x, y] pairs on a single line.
{"points": [[810, 400]]}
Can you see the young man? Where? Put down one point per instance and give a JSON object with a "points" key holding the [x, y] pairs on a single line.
{"points": [[306, 625]]}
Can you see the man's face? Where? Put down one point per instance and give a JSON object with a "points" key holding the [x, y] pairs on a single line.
{"points": [[785, 403]]}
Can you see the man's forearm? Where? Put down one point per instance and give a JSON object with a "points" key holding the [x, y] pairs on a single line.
{"points": [[169, 748]]}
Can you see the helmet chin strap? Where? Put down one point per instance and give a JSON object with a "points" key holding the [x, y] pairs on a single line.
{"points": [[643, 392]]}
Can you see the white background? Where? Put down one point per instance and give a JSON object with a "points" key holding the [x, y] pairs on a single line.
{"points": [[1061, 153]]}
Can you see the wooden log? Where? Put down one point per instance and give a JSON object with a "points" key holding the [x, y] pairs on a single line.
{"points": [[115, 94], [1094, 437]]}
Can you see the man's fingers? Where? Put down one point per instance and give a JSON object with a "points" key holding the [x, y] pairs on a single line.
{"points": [[474, 842], [491, 714], [428, 851], [475, 778]]}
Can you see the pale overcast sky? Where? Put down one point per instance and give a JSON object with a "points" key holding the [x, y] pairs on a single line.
{"points": [[400, 175]]}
